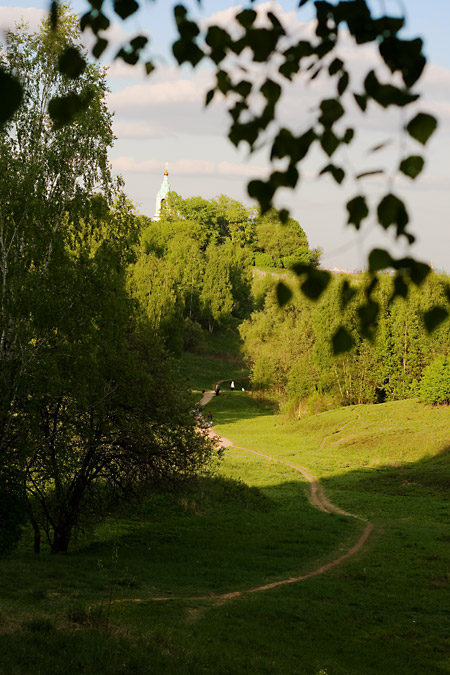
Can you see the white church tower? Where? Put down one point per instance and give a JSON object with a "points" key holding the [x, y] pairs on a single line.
{"points": [[162, 194]]}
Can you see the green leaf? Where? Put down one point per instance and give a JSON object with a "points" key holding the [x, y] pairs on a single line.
{"points": [[405, 56], [283, 215], [219, 41], [391, 211], [270, 90], [246, 18], [96, 20], [149, 67], [138, 42], [332, 111], [315, 283], [386, 94], [336, 171], [262, 41], [125, 8], [329, 142], [418, 271], [379, 259], [357, 211], [71, 63], [368, 314], [12, 95], [434, 317], [412, 166], [99, 47], [421, 127], [335, 66], [223, 81], [400, 288], [343, 83], [275, 22], [348, 136], [209, 96], [262, 192], [288, 178], [186, 51], [64, 109], [130, 53], [361, 100], [347, 293], [342, 341], [243, 88], [284, 294]]}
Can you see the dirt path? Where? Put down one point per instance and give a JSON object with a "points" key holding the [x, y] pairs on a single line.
{"points": [[320, 501], [317, 498], [208, 395]]}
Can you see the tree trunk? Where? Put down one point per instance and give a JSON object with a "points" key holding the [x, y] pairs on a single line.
{"points": [[61, 538], [35, 526]]}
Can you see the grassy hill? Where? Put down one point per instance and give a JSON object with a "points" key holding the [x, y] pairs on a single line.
{"points": [[383, 611]]}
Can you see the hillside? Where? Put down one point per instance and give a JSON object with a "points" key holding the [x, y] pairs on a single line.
{"points": [[383, 611]]}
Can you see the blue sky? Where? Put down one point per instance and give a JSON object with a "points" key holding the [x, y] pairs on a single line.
{"points": [[162, 118]]}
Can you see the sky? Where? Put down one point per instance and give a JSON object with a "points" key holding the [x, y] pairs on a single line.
{"points": [[162, 118]]}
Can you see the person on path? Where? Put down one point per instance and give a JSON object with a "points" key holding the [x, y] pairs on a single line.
{"points": [[217, 389], [232, 385]]}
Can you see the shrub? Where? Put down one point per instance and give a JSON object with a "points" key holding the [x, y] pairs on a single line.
{"points": [[435, 385], [193, 338], [301, 256], [264, 260]]}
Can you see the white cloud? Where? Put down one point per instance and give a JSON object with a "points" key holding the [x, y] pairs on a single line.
{"points": [[188, 167], [10, 16], [138, 129], [150, 95], [118, 69], [167, 105]]}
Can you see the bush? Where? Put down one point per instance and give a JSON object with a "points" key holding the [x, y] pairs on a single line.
{"points": [[435, 385], [301, 256], [193, 338], [264, 260]]}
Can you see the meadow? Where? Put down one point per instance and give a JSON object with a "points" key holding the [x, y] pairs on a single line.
{"points": [[141, 592]]}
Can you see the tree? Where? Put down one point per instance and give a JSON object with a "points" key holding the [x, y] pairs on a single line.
{"points": [[435, 384], [285, 243], [90, 406], [271, 58], [216, 296], [47, 166]]}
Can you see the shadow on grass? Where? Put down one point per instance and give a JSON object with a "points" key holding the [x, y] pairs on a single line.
{"points": [[373, 615]]}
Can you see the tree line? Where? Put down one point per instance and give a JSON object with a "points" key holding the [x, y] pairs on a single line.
{"points": [[194, 265], [289, 351]]}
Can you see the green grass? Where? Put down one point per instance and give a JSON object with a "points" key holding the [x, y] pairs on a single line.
{"points": [[383, 612], [221, 359]]}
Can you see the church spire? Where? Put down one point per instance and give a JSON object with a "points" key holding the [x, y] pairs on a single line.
{"points": [[162, 194]]}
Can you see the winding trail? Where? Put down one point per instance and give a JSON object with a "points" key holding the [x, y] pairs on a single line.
{"points": [[317, 498]]}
